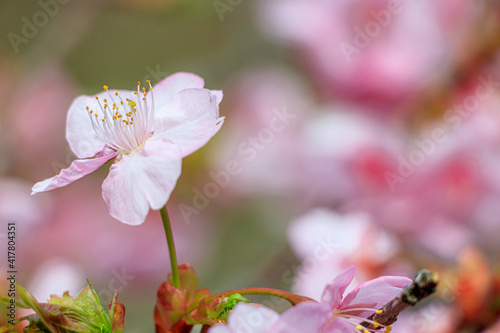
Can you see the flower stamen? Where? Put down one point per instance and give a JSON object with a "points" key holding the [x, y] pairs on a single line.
{"points": [[356, 321], [124, 126]]}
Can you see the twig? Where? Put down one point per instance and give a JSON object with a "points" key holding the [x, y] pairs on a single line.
{"points": [[423, 285]]}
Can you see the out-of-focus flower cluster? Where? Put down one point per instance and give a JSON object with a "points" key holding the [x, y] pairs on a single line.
{"points": [[388, 147]]}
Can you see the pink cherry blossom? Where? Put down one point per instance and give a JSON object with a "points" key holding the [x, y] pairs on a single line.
{"points": [[342, 313], [146, 136], [334, 313]]}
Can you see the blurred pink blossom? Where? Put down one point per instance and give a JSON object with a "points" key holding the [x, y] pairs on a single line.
{"points": [[35, 125], [327, 243], [268, 106], [55, 276], [375, 52], [16, 205]]}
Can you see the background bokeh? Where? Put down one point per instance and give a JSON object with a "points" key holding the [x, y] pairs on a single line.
{"points": [[364, 130]]}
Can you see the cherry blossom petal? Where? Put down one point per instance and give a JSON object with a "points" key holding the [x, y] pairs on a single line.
{"points": [[333, 292], [248, 318], [142, 180], [76, 170], [81, 136], [173, 84], [339, 325], [189, 119], [218, 94], [304, 317], [374, 293]]}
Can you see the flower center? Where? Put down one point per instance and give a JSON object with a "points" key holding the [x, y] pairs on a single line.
{"points": [[369, 326], [124, 125]]}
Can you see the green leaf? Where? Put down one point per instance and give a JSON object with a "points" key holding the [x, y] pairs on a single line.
{"points": [[66, 314], [227, 304]]}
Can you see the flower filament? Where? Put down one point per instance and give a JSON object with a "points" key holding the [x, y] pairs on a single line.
{"points": [[124, 125], [356, 321]]}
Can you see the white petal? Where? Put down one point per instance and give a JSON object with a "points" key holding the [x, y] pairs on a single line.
{"points": [[142, 180], [81, 137], [189, 119], [77, 170], [173, 84]]}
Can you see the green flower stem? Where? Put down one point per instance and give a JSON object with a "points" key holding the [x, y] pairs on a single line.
{"points": [[171, 247]]}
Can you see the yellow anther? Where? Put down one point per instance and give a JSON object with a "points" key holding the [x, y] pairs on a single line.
{"points": [[105, 87], [116, 93], [388, 328], [379, 311], [97, 98], [359, 328], [105, 100], [115, 118], [375, 324], [87, 108], [151, 88], [105, 105], [121, 102], [96, 115], [148, 81], [143, 99], [135, 92], [143, 89], [91, 111]]}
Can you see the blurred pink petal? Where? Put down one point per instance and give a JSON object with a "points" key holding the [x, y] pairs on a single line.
{"points": [[35, 125], [54, 277], [16, 205], [327, 243], [360, 50], [250, 318], [304, 317]]}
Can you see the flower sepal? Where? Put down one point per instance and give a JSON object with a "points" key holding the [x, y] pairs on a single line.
{"points": [[174, 305]]}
